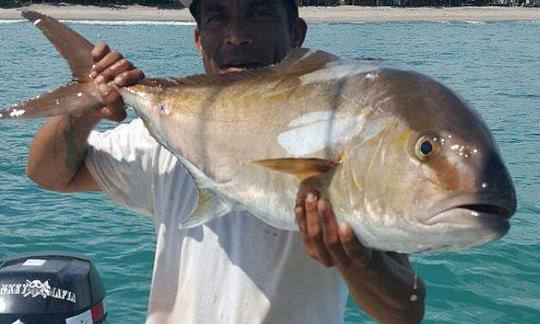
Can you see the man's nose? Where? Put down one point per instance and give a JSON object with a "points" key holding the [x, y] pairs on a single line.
{"points": [[238, 36]]}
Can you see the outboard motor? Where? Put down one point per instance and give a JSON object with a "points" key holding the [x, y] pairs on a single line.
{"points": [[50, 289]]}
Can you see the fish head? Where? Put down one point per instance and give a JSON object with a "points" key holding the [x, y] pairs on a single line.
{"points": [[153, 103], [428, 176]]}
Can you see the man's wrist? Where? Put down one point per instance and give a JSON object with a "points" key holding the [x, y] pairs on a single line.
{"points": [[374, 263]]}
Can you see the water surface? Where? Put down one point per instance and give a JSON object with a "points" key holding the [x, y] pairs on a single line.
{"points": [[494, 66]]}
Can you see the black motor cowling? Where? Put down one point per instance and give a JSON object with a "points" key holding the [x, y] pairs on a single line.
{"points": [[51, 289]]}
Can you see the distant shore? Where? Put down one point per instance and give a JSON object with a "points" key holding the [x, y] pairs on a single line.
{"points": [[346, 14]]}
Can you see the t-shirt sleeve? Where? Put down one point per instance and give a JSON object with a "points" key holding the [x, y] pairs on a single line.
{"points": [[121, 161]]}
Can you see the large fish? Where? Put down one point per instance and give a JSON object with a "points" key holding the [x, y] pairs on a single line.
{"points": [[402, 159]]}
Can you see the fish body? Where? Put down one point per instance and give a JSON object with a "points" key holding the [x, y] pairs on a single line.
{"points": [[402, 159]]}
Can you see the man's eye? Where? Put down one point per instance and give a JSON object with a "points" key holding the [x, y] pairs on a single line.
{"points": [[262, 13], [216, 17]]}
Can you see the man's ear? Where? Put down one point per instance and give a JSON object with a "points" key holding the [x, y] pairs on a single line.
{"points": [[299, 31], [197, 36]]}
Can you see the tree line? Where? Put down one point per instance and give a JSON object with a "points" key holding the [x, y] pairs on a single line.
{"points": [[395, 3], [421, 3]]}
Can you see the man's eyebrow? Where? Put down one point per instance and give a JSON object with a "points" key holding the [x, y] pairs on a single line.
{"points": [[214, 7], [261, 3]]}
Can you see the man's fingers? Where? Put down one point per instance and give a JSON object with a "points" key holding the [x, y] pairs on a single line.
{"points": [[109, 66], [352, 247], [115, 69], [114, 109], [301, 220], [128, 78], [331, 233], [99, 51], [113, 114], [314, 230], [107, 61], [319, 253], [329, 225]]}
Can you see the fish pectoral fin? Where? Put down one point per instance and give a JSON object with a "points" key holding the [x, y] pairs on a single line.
{"points": [[302, 168], [209, 206]]}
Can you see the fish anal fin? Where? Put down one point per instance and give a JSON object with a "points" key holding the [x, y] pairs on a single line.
{"points": [[209, 207], [302, 168]]}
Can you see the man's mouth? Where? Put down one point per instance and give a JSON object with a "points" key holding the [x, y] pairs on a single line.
{"points": [[239, 66]]}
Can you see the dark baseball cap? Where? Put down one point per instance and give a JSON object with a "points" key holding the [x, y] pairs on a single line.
{"points": [[188, 3]]}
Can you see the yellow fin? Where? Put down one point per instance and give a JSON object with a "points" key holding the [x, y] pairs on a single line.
{"points": [[209, 207], [303, 60], [302, 168]]}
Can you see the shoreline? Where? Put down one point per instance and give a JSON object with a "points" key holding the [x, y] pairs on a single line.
{"points": [[339, 14]]}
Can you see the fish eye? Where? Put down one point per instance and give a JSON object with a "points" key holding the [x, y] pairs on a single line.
{"points": [[426, 147]]}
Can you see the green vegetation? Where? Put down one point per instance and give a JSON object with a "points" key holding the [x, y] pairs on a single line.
{"points": [[396, 3], [421, 3], [102, 3]]}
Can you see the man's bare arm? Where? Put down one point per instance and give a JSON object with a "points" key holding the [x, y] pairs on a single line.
{"points": [[56, 158]]}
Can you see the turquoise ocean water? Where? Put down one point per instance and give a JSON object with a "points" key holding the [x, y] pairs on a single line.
{"points": [[495, 66]]}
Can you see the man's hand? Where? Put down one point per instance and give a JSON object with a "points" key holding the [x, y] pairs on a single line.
{"points": [[56, 159], [112, 67], [326, 241], [383, 284]]}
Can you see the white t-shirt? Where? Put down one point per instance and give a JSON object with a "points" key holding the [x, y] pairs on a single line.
{"points": [[235, 269]]}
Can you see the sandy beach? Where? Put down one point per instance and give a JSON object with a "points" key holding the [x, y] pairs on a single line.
{"points": [[350, 14]]}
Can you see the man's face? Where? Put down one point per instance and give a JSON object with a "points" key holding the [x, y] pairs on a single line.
{"points": [[235, 35]]}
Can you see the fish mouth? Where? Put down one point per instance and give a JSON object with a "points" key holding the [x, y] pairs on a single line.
{"points": [[496, 205], [469, 213], [486, 219], [502, 212]]}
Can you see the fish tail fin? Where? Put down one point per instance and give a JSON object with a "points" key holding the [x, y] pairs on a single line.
{"points": [[75, 49], [64, 100], [79, 94]]}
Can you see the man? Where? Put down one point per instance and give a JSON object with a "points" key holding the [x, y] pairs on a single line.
{"points": [[235, 269]]}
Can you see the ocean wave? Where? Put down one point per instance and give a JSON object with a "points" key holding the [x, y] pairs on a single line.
{"points": [[113, 22], [130, 22], [10, 21], [475, 22]]}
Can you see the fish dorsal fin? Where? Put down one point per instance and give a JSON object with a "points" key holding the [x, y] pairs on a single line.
{"points": [[72, 46], [303, 60], [298, 61], [302, 168]]}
